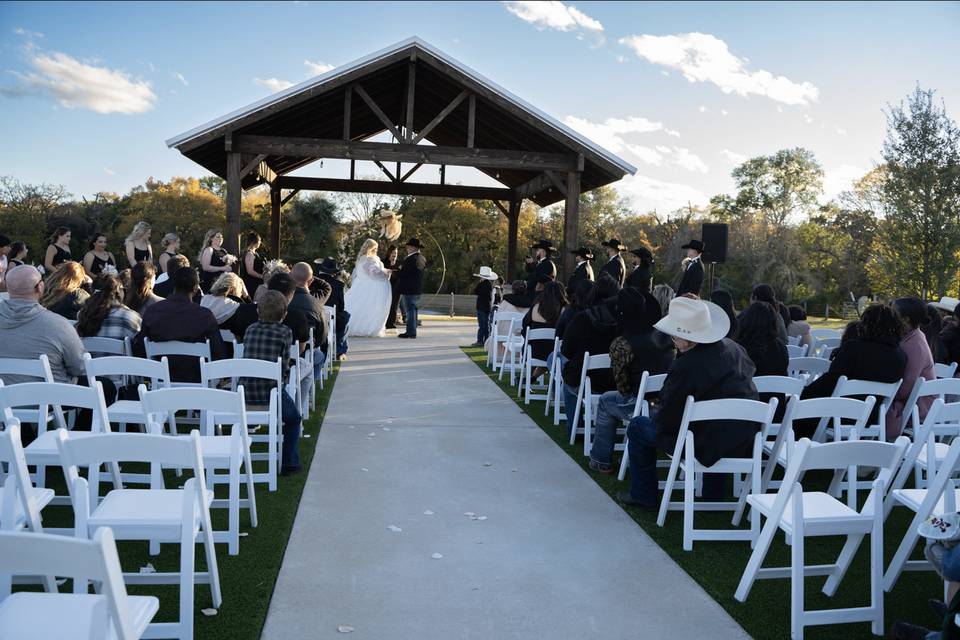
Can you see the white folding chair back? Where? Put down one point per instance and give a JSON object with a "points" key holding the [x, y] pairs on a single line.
{"points": [[513, 347], [199, 350], [555, 387], [37, 370], [797, 351], [109, 613], [97, 346], [155, 372], [825, 346], [586, 399], [20, 501], [945, 370], [884, 392], [793, 341], [331, 342], [825, 334], [807, 369], [500, 334], [648, 384], [528, 385], [945, 388]]}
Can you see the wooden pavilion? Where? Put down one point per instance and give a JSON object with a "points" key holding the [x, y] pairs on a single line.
{"points": [[437, 111]]}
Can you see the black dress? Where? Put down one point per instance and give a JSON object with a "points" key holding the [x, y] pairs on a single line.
{"points": [[249, 280], [15, 263], [98, 264], [140, 255], [394, 294], [62, 255], [207, 278], [169, 255]]}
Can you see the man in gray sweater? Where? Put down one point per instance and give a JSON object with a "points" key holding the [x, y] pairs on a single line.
{"points": [[28, 330]]}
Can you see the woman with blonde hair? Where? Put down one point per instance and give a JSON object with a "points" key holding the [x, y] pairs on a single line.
{"points": [[137, 245], [214, 259], [225, 297], [171, 246], [62, 290], [368, 299]]}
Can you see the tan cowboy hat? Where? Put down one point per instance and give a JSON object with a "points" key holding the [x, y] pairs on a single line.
{"points": [[695, 320], [487, 274], [947, 304], [386, 214]]}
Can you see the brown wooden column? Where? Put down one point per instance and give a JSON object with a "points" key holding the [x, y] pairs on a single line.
{"points": [[513, 219], [275, 220], [231, 232], [571, 221]]}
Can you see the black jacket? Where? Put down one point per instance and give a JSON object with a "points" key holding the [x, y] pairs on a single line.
{"points": [[311, 306], [769, 359], [542, 272], [949, 344], [584, 271], [639, 278], [484, 293], [335, 299], [692, 279], [177, 318], [708, 372], [616, 268], [590, 331], [410, 279], [246, 315]]}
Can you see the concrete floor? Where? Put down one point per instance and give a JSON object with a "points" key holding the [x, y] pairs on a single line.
{"points": [[415, 427]]}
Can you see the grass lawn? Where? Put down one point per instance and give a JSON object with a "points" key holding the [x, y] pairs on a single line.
{"points": [[246, 580], [717, 566]]}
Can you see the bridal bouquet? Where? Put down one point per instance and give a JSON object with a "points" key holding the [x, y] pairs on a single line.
{"points": [[229, 258], [110, 270]]}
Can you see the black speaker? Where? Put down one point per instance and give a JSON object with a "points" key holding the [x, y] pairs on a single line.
{"points": [[714, 238]]}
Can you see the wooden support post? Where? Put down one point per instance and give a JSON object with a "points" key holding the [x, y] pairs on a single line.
{"points": [[275, 203], [513, 220], [571, 221], [231, 235], [353, 169]]}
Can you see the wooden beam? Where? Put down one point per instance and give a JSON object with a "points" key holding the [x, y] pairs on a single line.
{"points": [[385, 171], [557, 181], [471, 120], [411, 86], [347, 110], [389, 152], [437, 119], [377, 111], [410, 173], [265, 172], [231, 233], [502, 208], [533, 186], [275, 204], [287, 198], [513, 220], [253, 164], [395, 188], [571, 221]]}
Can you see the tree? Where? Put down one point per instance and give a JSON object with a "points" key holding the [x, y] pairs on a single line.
{"points": [[25, 208]]}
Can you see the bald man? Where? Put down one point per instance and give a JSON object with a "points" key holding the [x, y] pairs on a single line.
{"points": [[29, 330], [311, 306]]}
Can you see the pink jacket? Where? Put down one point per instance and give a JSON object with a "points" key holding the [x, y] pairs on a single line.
{"points": [[919, 365]]}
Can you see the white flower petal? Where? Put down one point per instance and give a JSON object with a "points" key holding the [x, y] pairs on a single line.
{"points": [[208, 612], [394, 528]]}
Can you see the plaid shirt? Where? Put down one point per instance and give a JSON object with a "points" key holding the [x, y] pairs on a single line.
{"points": [[122, 322], [265, 341]]}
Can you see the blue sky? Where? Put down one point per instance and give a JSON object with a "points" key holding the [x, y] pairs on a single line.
{"points": [[683, 91]]}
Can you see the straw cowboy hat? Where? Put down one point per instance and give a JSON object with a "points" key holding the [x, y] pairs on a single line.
{"points": [[947, 304], [386, 214], [695, 320], [487, 274]]}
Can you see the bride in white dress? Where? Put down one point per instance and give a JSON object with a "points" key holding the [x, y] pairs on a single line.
{"points": [[368, 298]]}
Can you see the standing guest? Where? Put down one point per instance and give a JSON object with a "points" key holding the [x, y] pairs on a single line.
{"points": [[582, 272], [270, 269], [137, 245], [757, 334], [799, 327], [4, 262], [18, 253], [615, 266], [225, 297], [58, 251], [709, 367], [311, 306], [270, 340], [642, 274], [30, 331], [213, 258], [177, 318], [163, 285], [540, 268], [932, 331], [104, 315], [639, 348], [544, 314], [329, 272], [98, 257], [692, 279], [484, 293], [724, 300], [170, 243], [139, 295], [393, 264], [914, 345], [252, 265], [63, 293], [664, 294], [410, 285]]}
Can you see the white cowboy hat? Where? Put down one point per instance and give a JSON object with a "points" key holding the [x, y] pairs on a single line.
{"points": [[695, 320], [487, 274], [387, 213], [945, 526], [947, 304]]}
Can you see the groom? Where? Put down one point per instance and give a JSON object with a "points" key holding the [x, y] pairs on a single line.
{"points": [[410, 285]]}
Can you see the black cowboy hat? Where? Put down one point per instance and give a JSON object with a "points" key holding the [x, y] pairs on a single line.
{"points": [[583, 252], [544, 244], [643, 253], [613, 243], [327, 265], [696, 245], [414, 242]]}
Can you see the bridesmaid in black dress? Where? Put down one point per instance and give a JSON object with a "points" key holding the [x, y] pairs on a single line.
{"points": [[58, 250], [214, 259], [251, 269], [393, 262], [18, 253], [98, 257], [137, 245], [171, 246]]}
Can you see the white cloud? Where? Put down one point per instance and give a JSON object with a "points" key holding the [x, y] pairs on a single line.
{"points": [[701, 57], [684, 159], [179, 76], [670, 156], [317, 68], [733, 156], [621, 59], [109, 171], [26, 33], [840, 178], [274, 84], [650, 193], [609, 134], [552, 14], [702, 109], [807, 119], [645, 154], [74, 84], [723, 112]]}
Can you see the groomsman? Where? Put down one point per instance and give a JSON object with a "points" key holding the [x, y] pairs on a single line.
{"points": [[583, 270], [540, 268], [692, 269], [615, 266]]}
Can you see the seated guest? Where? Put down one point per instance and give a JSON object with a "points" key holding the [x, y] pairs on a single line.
{"points": [[639, 348], [311, 306], [30, 331], [932, 331], [950, 336], [724, 300], [757, 334], [139, 295], [544, 315], [163, 286], [271, 268], [268, 339], [664, 294], [914, 345], [247, 313], [575, 305], [869, 350], [590, 331], [178, 318], [709, 367], [765, 293], [329, 272], [225, 297], [63, 293], [104, 315], [799, 327], [517, 301]]}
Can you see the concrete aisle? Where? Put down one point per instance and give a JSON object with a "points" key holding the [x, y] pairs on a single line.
{"points": [[415, 427]]}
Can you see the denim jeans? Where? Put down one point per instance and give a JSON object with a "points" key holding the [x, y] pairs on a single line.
{"points": [[410, 303], [570, 405], [342, 332], [319, 357], [483, 326], [613, 409], [290, 414]]}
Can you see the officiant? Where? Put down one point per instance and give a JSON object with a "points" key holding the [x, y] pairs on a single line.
{"points": [[540, 267]]}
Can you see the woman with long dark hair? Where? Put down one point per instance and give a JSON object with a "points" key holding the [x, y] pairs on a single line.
{"points": [[252, 266], [914, 345], [544, 315], [98, 257], [214, 259], [139, 295], [18, 253], [765, 293], [58, 251], [724, 300], [757, 334], [932, 331], [104, 315]]}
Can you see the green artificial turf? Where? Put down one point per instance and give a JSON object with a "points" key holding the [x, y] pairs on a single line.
{"points": [[717, 566], [247, 579]]}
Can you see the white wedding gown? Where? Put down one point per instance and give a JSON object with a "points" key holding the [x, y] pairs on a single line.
{"points": [[368, 298]]}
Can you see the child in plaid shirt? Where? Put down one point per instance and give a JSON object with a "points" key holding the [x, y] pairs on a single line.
{"points": [[268, 339]]}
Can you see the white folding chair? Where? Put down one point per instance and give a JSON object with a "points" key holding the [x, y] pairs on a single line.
{"points": [[36, 370], [199, 350], [825, 346], [325, 370], [807, 369], [793, 341], [108, 613], [513, 347], [155, 373], [684, 460], [528, 384], [500, 334], [945, 370], [802, 514], [586, 399], [97, 346], [267, 415], [648, 384], [157, 514], [797, 351], [555, 386], [20, 501], [947, 388], [331, 343], [825, 334], [884, 392]]}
